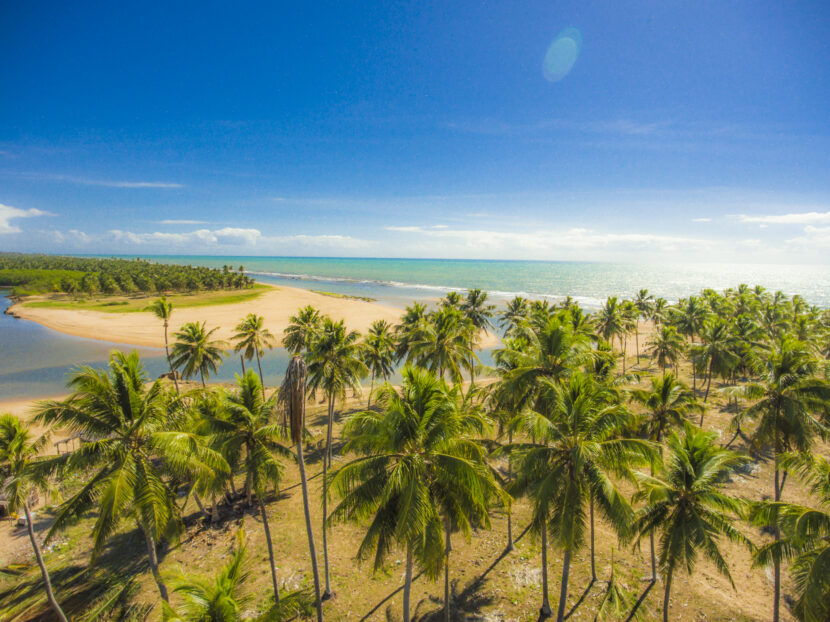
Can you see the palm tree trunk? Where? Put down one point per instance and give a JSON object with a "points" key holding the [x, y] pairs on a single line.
{"points": [[563, 589], [653, 557], [169, 363], [637, 339], [776, 562], [46, 580], [202, 374], [447, 550], [270, 549], [407, 583], [509, 507], [261, 377], [545, 610], [329, 427], [326, 462], [708, 384], [154, 563], [214, 512], [309, 532], [371, 388], [666, 596], [242, 360], [593, 561]]}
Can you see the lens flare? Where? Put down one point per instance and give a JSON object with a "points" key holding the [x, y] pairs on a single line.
{"points": [[562, 54]]}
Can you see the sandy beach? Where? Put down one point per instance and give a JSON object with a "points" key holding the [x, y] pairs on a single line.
{"points": [[276, 305]]}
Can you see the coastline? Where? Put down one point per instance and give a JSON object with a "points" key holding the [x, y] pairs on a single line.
{"points": [[142, 328]]}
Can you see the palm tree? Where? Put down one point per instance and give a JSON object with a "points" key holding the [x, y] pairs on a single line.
{"points": [[610, 321], [20, 483], [666, 347], [659, 311], [251, 339], [644, 303], [245, 426], [418, 476], [686, 508], [515, 314], [568, 468], [480, 315], [551, 352], [804, 541], [195, 353], [221, 598], [133, 445], [716, 353], [379, 353], [301, 330], [690, 316], [668, 403], [163, 309], [443, 344], [334, 368], [292, 394], [407, 331], [784, 406]]}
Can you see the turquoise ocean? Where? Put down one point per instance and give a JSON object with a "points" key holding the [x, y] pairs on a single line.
{"points": [[34, 360]]}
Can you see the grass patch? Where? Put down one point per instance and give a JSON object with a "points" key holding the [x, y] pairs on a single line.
{"points": [[138, 303], [345, 296]]}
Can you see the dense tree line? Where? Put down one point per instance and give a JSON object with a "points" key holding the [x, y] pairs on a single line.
{"points": [[566, 423], [35, 274]]}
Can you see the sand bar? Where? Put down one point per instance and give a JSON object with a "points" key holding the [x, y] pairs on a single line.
{"points": [[276, 306]]}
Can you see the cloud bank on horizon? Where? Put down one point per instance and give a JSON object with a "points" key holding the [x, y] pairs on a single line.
{"points": [[577, 133]]}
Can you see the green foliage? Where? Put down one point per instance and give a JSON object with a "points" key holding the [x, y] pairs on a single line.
{"points": [[39, 274]]}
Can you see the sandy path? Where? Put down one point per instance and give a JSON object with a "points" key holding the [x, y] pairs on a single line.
{"points": [[276, 306]]}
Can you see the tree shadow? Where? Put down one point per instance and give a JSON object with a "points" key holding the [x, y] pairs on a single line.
{"points": [[469, 600], [582, 598], [640, 601]]}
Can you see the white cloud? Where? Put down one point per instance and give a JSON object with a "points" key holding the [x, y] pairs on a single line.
{"points": [[182, 222], [108, 183], [8, 213], [801, 218], [814, 238], [227, 236], [701, 220], [551, 240]]}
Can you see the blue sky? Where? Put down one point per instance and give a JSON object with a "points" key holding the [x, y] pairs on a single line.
{"points": [[681, 130]]}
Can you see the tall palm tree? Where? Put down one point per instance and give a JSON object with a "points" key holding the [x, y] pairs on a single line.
{"points": [[134, 445], [610, 321], [644, 303], [443, 344], [163, 309], [516, 312], [785, 405], [689, 317], [301, 330], [418, 476], [550, 352], [669, 404], [195, 352], [567, 470], [245, 425], [19, 450], [687, 509], [805, 537], [251, 339], [334, 368], [379, 353], [292, 395], [480, 315], [666, 347], [716, 353], [408, 329]]}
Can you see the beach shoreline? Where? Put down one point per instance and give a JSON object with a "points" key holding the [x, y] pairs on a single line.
{"points": [[277, 305]]}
